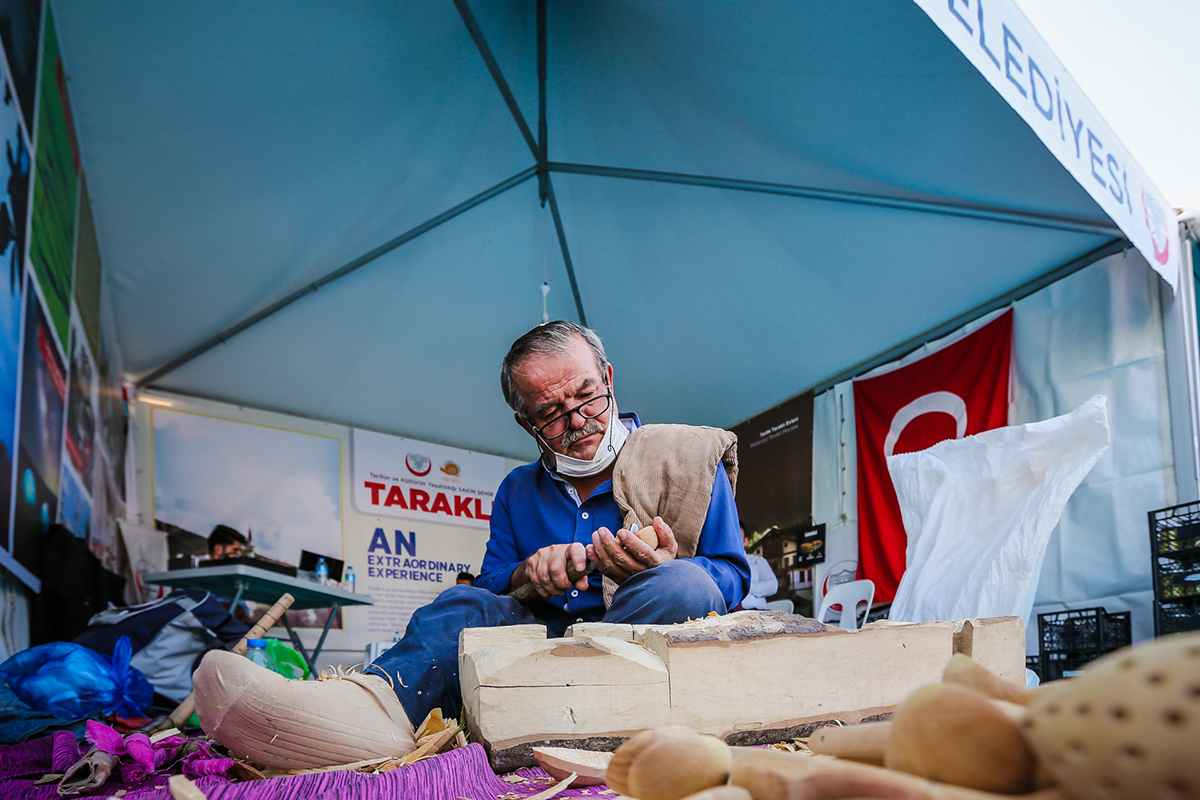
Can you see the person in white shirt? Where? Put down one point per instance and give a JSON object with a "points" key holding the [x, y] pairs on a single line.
{"points": [[763, 582]]}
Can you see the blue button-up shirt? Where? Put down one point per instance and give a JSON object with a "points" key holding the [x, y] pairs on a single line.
{"points": [[535, 508]]}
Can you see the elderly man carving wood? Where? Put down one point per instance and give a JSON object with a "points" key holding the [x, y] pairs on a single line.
{"points": [[601, 476]]}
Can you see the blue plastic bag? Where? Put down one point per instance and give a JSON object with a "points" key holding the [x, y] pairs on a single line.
{"points": [[71, 681]]}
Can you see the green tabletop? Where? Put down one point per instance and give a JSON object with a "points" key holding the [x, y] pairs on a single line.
{"points": [[258, 585]]}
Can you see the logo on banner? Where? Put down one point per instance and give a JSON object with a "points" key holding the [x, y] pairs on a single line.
{"points": [[418, 464], [958, 390], [1156, 223], [398, 477]]}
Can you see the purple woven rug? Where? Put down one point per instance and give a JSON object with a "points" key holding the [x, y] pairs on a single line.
{"points": [[462, 773]]}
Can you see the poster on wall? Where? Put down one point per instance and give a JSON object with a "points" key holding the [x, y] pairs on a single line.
{"points": [[55, 187], [88, 275], [43, 397], [74, 505], [81, 408], [14, 177], [280, 488], [410, 479], [19, 21], [421, 517]]}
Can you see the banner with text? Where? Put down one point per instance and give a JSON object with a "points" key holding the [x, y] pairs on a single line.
{"points": [[398, 477], [999, 41]]}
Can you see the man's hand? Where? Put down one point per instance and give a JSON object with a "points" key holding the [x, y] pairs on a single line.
{"points": [[547, 569], [624, 555]]}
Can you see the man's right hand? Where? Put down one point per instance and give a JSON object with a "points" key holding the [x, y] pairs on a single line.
{"points": [[547, 569]]}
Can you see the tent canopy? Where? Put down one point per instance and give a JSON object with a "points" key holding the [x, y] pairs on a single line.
{"points": [[744, 199]]}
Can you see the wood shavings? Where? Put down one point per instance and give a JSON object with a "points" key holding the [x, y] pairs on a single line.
{"points": [[166, 733], [182, 788], [514, 779], [555, 789]]}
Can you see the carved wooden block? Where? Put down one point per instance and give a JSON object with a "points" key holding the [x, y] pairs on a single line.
{"points": [[556, 690], [997, 643], [749, 677]]}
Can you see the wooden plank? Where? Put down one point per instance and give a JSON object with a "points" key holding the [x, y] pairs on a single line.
{"points": [[997, 643], [472, 639], [609, 630]]}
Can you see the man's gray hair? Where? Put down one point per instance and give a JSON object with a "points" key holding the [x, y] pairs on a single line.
{"points": [[551, 338]]}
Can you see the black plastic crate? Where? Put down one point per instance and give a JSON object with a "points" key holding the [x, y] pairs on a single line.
{"points": [[1175, 567], [1070, 639], [1176, 618], [1034, 664], [1178, 579], [1175, 531]]}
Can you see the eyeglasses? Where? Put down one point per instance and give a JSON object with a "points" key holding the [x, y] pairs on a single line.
{"points": [[555, 428]]}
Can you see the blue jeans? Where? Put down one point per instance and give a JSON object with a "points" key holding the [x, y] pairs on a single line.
{"points": [[423, 666]]}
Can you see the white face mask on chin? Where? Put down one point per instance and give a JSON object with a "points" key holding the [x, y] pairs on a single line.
{"points": [[614, 439]]}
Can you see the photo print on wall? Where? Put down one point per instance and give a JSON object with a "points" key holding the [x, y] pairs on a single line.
{"points": [[39, 449], [55, 188], [19, 20], [14, 205]]}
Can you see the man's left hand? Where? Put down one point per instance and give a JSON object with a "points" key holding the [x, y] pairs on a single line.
{"points": [[623, 555]]}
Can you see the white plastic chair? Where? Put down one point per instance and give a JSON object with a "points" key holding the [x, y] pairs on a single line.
{"points": [[848, 596], [781, 605]]}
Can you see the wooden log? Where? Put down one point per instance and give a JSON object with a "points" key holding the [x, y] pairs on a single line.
{"points": [[810, 672], [997, 643]]}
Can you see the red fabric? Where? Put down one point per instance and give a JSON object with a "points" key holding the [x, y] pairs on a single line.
{"points": [[959, 390]]}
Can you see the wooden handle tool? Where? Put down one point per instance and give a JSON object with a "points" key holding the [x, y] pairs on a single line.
{"points": [[527, 594]]}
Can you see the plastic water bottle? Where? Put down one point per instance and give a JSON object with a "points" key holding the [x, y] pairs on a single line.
{"points": [[256, 651], [348, 579], [322, 571]]}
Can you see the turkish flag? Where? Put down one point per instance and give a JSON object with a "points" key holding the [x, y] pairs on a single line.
{"points": [[958, 390]]}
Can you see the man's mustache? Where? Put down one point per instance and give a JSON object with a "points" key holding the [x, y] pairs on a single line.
{"points": [[585, 430]]}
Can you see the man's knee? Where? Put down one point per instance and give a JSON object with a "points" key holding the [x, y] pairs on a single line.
{"points": [[684, 583]]}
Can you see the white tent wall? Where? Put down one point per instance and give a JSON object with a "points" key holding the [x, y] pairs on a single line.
{"points": [[1098, 331]]}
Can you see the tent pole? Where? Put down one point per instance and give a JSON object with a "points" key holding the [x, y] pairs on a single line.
{"points": [[341, 272], [543, 149], [566, 252], [493, 67], [956, 209]]}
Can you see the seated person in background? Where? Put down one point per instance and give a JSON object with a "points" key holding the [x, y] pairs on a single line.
{"points": [[464, 579], [763, 582], [556, 512], [225, 542]]}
